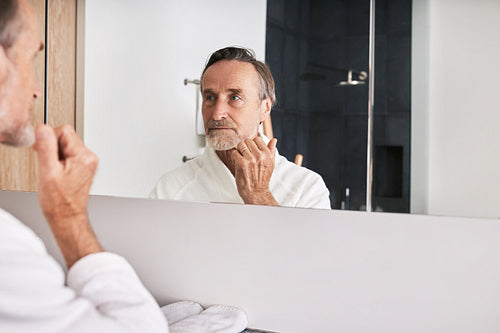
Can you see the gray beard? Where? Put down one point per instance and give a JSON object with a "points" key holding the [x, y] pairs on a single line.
{"points": [[20, 137], [220, 142], [224, 142]]}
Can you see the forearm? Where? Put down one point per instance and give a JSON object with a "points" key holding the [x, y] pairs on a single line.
{"points": [[263, 198], [75, 237]]}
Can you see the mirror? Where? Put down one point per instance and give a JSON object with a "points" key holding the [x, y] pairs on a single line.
{"points": [[139, 117]]}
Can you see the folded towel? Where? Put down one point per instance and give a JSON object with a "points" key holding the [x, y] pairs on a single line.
{"points": [[180, 310], [215, 319]]}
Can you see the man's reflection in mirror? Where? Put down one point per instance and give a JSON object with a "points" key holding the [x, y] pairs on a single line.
{"points": [[240, 164]]}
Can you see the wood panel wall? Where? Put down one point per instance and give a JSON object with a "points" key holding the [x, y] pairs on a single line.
{"points": [[61, 64], [18, 166]]}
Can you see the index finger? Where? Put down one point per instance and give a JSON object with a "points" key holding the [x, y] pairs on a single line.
{"points": [[272, 146], [260, 143], [236, 155], [69, 142]]}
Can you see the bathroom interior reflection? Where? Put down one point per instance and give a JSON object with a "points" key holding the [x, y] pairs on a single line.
{"points": [[318, 53]]}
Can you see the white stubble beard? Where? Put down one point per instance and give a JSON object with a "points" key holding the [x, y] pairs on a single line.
{"points": [[20, 137], [16, 136], [13, 135], [221, 141], [25, 136]]}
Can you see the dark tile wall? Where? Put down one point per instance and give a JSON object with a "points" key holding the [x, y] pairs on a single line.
{"points": [[327, 123]]}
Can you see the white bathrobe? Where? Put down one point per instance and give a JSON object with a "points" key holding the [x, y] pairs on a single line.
{"points": [[207, 179], [103, 293]]}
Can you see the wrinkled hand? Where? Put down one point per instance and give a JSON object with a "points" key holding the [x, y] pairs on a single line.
{"points": [[66, 169], [254, 166]]}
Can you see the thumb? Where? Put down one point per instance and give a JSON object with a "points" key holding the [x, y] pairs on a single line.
{"points": [[272, 146], [46, 149]]}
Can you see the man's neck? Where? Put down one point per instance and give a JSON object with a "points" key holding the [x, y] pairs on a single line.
{"points": [[225, 157]]}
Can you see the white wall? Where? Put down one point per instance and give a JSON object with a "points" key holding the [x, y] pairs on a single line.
{"points": [[137, 55], [463, 71]]}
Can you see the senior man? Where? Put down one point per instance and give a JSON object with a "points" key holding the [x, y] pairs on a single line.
{"points": [[240, 165], [102, 291]]}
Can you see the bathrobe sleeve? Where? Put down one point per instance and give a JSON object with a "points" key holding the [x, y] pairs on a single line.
{"points": [[315, 194], [103, 293]]}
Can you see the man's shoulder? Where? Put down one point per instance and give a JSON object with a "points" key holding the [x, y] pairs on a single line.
{"points": [[185, 171], [299, 186], [9, 222], [174, 181], [12, 231]]}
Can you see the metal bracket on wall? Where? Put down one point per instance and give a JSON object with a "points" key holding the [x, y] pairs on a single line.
{"points": [[188, 81]]}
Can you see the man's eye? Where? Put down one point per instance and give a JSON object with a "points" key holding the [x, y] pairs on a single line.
{"points": [[235, 98], [209, 98]]}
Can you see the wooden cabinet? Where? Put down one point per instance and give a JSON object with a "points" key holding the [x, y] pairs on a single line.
{"points": [[55, 71]]}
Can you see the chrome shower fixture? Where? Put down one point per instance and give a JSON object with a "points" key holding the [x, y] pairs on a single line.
{"points": [[350, 82], [188, 81], [311, 76]]}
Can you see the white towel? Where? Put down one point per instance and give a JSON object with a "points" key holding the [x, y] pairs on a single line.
{"points": [[181, 310], [215, 319]]}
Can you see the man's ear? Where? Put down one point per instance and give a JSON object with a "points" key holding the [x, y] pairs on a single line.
{"points": [[265, 108]]}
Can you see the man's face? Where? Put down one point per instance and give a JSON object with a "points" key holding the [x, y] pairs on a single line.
{"points": [[18, 87], [232, 109]]}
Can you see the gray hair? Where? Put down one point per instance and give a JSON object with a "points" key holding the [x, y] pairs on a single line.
{"points": [[246, 55], [10, 25]]}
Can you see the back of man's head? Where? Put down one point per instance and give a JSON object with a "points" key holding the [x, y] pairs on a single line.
{"points": [[246, 55], [9, 25]]}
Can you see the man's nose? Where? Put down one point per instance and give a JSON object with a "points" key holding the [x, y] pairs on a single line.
{"points": [[220, 110]]}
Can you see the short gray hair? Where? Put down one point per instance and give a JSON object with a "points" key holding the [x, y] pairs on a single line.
{"points": [[246, 55], [10, 25]]}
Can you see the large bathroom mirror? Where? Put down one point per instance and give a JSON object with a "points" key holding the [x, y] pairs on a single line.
{"points": [[140, 117]]}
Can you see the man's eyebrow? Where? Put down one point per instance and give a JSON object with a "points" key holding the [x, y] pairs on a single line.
{"points": [[208, 91], [235, 90], [232, 90]]}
